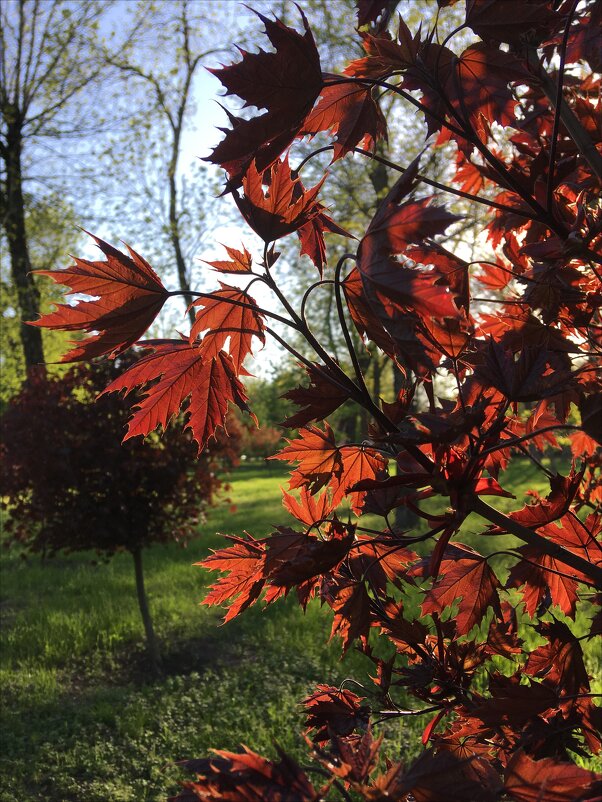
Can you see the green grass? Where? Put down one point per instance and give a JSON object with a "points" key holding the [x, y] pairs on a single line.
{"points": [[80, 719]]}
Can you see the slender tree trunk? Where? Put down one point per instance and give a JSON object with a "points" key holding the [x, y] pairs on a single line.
{"points": [[152, 644], [174, 226], [14, 223]]}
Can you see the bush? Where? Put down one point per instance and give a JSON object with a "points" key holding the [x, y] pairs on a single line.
{"points": [[70, 486]]}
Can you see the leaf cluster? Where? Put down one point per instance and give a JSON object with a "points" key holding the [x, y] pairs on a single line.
{"points": [[517, 336]]}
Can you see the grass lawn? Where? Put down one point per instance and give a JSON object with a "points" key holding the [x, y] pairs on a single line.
{"points": [[80, 720]]}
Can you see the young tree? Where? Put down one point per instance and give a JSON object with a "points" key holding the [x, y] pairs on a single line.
{"points": [[183, 37], [68, 487], [503, 367]]}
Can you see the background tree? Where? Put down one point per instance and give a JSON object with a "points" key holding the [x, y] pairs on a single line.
{"points": [[51, 227], [176, 42], [49, 72], [67, 488]]}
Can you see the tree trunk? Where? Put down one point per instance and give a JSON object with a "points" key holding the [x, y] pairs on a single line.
{"points": [[14, 224], [152, 644], [174, 227]]}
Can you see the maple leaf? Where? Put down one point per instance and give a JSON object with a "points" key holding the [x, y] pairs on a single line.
{"points": [[350, 112], [392, 287], [318, 400], [310, 509], [546, 577], [351, 605], [380, 560], [366, 321], [528, 780], [311, 237], [484, 72], [536, 374], [334, 711], [370, 10], [359, 464], [437, 776], [239, 322], [239, 262], [318, 455], [385, 55], [128, 296], [286, 207], [590, 407], [469, 579], [556, 504], [513, 704], [511, 21], [354, 756], [560, 660], [181, 371], [248, 777], [293, 557], [285, 82], [245, 562]]}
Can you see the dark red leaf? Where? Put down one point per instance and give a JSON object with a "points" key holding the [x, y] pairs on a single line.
{"points": [[350, 113], [528, 780], [334, 712], [129, 295], [248, 777], [244, 561], [470, 580], [183, 372], [239, 262], [235, 323], [283, 207], [286, 82], [317, 401]]}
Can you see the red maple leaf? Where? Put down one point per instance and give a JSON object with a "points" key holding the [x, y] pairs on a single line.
{"points": [[351, 605], [536, 374], [244, 562], [318, 457], [311, 236], [318, 400], [394, 227], [284, 207], [349, 111], [285, 82], [309, 509], [484, 73], [247, 777], [359, 464], [239, 262], [438, 776], [366, 321], [234, 318], [370, 10], [333, 712], [528, 780], [469, 579], [547, 578], [511, 21], [183, 372], [128, 296], [292, 557], [560, 660]]}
